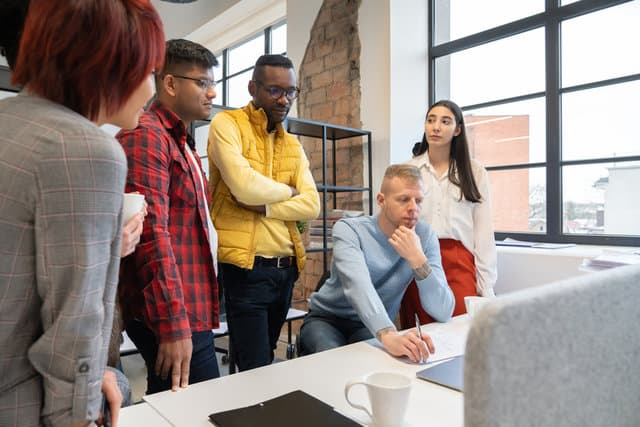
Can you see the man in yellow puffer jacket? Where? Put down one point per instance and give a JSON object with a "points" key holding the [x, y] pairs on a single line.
{"points": [[261, 186]]}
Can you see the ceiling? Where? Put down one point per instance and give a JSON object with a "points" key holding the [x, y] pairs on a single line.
{"points": [[182, 17]]}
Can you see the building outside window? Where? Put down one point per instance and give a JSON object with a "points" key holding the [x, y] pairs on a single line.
{"points": [[236, 63], [550, 92]]}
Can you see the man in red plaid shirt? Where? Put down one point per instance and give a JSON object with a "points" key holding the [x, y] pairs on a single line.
{"points": [[168, 288]]}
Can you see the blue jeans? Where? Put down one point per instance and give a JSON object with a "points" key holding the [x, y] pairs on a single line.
{"points": [[323, 331], [257, 302], [203, 366]]}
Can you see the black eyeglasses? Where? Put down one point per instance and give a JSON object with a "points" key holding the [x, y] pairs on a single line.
{"points": [[203, 84], [277, 92]]}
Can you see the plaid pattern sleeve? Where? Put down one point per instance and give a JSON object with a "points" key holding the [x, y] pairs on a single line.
{"points": [[169, 282], [61, 182]]}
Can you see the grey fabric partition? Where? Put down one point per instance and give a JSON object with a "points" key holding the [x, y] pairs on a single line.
{"points": [[563, 354]]}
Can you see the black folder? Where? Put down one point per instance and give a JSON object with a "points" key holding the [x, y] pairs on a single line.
{"points": [[292, 409], [449, 374]]}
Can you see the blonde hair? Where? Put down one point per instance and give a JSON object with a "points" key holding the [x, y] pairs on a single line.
{"points": [[404, 171]]}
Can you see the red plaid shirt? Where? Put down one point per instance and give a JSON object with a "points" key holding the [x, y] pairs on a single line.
{"points": [[169, 282]]}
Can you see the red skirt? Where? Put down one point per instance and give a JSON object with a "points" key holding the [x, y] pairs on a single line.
{"points": [[460, 270]]}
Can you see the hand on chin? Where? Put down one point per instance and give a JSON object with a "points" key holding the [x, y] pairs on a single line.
{"points": [[409, 223]]}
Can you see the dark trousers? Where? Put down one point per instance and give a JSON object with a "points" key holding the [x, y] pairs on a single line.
{"points": [[204, 365], [257, 302], [323, 331]]}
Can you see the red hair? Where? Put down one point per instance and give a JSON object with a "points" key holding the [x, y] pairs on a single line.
{"points": [[89, 54]]}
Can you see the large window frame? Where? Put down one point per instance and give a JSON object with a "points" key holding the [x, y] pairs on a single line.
{"points": [[550, 20], [223, 82]]}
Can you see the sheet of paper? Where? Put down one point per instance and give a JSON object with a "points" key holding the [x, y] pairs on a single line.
{"points": [[448, 342], [447, 345], [609, 259], [540, 245]]}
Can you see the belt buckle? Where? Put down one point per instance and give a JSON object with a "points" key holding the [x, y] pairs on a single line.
{"points": [[280, 262]]}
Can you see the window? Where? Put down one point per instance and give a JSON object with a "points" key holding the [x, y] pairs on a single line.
{"points": [[236, 63], [6, 88], [549, 89]]}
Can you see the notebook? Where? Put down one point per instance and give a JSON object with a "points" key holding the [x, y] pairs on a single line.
{"points": [[292, 409], [449, 374]]}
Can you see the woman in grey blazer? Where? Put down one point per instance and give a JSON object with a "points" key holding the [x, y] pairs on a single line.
{"points": [[82, 64]]}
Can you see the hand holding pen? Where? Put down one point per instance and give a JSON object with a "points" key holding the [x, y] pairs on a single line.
{"points": [[408, 344], [426, 345]]}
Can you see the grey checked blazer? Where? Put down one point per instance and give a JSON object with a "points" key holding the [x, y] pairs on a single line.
{"points": [[61, 185]]}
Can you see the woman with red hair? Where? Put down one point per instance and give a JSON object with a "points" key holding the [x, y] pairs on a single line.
{"points": [[82, 63]]}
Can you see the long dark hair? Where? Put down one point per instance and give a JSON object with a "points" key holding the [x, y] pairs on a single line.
{"points": [[460, 172]]}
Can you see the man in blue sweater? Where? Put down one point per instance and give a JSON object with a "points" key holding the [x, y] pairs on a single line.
{"points": [[374, 259]]}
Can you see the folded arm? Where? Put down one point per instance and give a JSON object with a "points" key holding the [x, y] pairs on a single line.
{"points": [[303, 206], [246, 184]]}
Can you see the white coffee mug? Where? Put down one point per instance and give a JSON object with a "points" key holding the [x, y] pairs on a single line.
{"points": [[133, 203], [388, 396]]}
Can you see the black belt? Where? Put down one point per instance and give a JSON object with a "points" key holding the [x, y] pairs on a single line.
{"points": [[277, 262]]}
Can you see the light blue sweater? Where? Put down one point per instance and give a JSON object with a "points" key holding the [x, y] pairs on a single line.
{"points": [[369, 278]]}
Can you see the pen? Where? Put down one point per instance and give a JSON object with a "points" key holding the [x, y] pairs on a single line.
{"points": [[422, 360]]}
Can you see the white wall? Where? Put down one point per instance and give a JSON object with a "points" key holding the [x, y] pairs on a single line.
{"points": [[409, 76], [300, 18], [521, 268], [621, 212], [375, 76]]}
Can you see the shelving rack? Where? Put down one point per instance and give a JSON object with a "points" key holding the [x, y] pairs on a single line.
{"points": [[332, 134]]}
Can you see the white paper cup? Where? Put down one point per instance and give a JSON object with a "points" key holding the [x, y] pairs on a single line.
{"points": [[133, 203], [473, 304]]}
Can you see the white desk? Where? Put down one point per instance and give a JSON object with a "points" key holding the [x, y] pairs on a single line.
{"points": [[141, 414], [322, 375]]}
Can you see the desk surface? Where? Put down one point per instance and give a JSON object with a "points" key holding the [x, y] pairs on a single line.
{"points": [[141, 414], [322, 375]]}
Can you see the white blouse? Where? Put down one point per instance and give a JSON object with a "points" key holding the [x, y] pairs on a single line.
{"points": [[213, 234], [452, 218]]}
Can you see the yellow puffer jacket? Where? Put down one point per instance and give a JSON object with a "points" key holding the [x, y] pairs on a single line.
{"points": [[236, 226]]}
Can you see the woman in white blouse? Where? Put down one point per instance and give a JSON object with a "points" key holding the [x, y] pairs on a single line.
{"points": [[457, 205]]}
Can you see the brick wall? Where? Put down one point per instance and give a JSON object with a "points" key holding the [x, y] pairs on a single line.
{"points": [[330, 82]]}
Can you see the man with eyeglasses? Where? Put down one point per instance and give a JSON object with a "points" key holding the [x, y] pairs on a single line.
{"points": [[261, 186], [168, 288]]}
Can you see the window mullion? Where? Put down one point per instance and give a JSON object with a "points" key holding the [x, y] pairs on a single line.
{"points": [[553, 125], [225, 76], [267, 40]]}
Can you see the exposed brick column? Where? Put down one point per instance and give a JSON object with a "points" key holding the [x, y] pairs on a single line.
{"points": [[330, 82]]}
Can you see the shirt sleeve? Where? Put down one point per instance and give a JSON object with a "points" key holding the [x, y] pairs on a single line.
{"points": [[436, 296], [246, 184], [486, 258], [149, 162], [353, 274], [305, 205], [77, 245]]}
